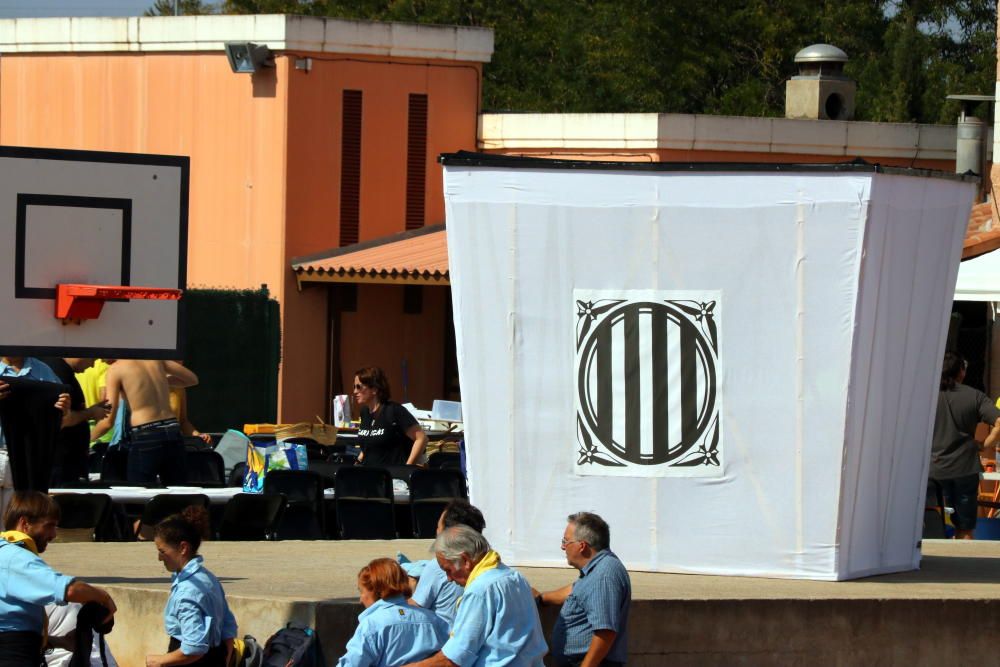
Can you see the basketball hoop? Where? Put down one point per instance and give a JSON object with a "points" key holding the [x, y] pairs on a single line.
{"points": [[75, 303]]}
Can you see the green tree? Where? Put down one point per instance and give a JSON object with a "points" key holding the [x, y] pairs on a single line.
{"points": [[710, 56], [184, 8]]}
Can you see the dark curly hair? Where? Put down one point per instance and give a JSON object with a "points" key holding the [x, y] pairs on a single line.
{"points": [[192, 525]]}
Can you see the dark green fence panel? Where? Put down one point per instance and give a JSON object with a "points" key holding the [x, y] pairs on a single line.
{"points": [[233, 343]]}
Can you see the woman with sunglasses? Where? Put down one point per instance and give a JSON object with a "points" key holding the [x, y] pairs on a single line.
{"points": [[389, 435]]}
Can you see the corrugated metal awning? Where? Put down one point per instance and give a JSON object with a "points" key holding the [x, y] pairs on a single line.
{"points": [[416, 257]]}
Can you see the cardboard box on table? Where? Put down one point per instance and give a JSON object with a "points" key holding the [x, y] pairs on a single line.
{"points": [[735, 366]]}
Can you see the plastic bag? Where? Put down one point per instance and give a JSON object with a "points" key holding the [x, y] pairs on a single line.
{"points": [[279, 456]]}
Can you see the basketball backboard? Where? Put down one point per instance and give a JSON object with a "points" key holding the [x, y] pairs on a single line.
{"points": [[91, 218]]}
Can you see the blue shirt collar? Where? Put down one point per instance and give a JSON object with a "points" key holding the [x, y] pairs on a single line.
{"points": [[5, 368], [593, 562], [193, 566], [381, 604]]}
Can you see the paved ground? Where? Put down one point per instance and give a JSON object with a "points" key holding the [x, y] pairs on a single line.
{"points": [[327, 570]]}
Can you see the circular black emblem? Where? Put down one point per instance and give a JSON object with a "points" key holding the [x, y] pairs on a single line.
{"points": [[670, 390]]}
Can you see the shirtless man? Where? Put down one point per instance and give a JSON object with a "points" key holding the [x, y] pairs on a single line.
{"points": [[156, 444]]}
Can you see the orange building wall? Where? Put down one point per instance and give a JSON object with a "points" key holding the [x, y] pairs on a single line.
{"points": [[176, 104], [265, 179], [379, 334], [313, 211]]}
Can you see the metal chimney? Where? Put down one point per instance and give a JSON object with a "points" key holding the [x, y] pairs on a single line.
{"points": [[820, 91], [970, 142]]}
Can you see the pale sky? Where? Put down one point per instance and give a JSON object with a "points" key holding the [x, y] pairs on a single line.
{"points": [[19, 8]]}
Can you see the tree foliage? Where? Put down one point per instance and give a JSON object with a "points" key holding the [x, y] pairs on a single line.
{"points": [[709, 56], [183, 7]]}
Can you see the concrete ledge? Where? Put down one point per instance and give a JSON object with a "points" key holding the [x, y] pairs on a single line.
{"points": [[726, 134], [946, 609], [278, 31]]}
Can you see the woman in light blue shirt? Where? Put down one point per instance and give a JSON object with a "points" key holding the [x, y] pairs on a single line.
{"points": [[390, 631], [197, 617]]}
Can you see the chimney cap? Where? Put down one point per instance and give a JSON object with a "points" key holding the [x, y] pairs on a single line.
{"points": [[821, 53]]}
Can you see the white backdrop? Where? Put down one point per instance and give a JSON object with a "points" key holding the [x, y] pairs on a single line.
{"points": [[832, 291]]}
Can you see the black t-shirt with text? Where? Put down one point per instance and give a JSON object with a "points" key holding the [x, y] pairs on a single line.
{"points": [[383, 439]]}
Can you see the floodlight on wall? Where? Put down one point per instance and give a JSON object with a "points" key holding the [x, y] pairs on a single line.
{"points": [[247, 57]]}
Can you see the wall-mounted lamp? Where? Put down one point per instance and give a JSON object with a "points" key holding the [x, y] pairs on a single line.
{"points": [[247, 57], [304, 64]]}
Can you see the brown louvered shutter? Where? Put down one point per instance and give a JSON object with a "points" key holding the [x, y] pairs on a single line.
{"points": [[416, 161], [350, 168]]}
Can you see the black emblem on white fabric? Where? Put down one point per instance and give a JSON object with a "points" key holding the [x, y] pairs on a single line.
{"points": [[647, 383]]}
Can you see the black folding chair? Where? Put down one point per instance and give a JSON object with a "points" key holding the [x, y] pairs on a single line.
{"points": [[446, 460], [252, 516], [314, 450], [327, 470], [934, 512], [401, 472], [163, 505], [114, 466], [205, 468], [365, 503], [82, 515], [303, 517], [236, 476], [430, 492]]}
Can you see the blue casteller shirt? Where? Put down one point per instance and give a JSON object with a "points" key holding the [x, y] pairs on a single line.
{"points": [[436, 593], [599, 601], [392, 632], [27, 584], [496, 623], [32, 369], [197, 613]]}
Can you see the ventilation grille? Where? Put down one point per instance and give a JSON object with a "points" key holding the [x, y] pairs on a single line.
{"points": [[416, 161], [350, 168]]}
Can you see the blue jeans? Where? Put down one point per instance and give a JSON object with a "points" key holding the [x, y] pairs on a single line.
{"points": [[962, 493], [156, 450]]}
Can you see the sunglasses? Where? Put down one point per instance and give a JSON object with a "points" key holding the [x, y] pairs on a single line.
{"points": [[359, 387]]}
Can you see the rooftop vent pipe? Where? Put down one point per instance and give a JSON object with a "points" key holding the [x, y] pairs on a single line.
{"points": [[820, 91]]}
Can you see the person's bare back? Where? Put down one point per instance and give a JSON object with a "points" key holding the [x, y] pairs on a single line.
{"points": [[145, 384]]}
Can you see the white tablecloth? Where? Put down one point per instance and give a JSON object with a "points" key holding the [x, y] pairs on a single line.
{"points": [[216, 495]]}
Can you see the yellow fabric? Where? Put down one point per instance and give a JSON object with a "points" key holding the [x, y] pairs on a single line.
{"points": [[236, 658], [489, 562], [177, 402], [17, 537], [92, 381]]}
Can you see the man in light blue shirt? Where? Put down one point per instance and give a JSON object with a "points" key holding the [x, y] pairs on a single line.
{"points": [[27, 583], [434, 591], [496, 622], [592, 628]]}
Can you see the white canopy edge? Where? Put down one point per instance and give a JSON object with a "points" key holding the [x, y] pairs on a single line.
{"points": [[979, 278]]}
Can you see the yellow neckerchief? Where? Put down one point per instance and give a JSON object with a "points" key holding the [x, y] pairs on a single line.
{"points": [[25, 540], [489, 562], [17, 537]]}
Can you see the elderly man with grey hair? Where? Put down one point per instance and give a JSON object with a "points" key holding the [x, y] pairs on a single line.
{"points": [[592, 625], [497, 621]]}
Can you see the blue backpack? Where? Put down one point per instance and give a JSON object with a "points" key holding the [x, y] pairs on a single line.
{"points": [[295, 645]]}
